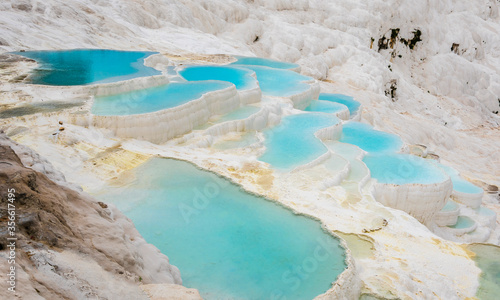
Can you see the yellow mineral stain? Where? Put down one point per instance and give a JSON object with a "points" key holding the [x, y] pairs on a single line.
{"points": [[111, 163], [360, 246]]}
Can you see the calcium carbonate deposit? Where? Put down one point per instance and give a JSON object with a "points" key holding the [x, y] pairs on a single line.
{"points": [[279, 149]]}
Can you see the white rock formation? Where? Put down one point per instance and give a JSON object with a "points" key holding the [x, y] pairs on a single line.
{"points": [[472, 200], [163, 125], [442, 93], [448, 217], [422, 201]]}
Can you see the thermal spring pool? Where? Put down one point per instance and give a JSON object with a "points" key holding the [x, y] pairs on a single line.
{"points": [[266, 62], [487, 258], [460, 184], [463, 222], [325, 106], [348, 101], [293, 142], [227, 243], [87, 66], [154, 99], [241, 78], [403, 169], [279, 82], [369, 139]]}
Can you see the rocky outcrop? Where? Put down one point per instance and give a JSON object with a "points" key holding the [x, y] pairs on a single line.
{"points": [[68, 245]]}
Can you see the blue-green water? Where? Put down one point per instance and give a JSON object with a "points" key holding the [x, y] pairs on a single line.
{"points": [[241, 78], [227, 243], [325, 106], [460, 184], [293, 143], [488, 260], [266, 62], [88, 66], [278, 82], [368, 139], [154, 99], [484, 211], [402, 169], [348, 101], [463, 222]]}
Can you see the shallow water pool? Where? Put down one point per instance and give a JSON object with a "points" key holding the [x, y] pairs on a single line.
{"points": [[292, 143], [403, 169], [325, 107], [368, 139], [463, 222], [487, 259], [279, 82], [88, 66], [348, 101], [266, 62], [154, 99], [227, 243], [241, 78], [460, 184]]}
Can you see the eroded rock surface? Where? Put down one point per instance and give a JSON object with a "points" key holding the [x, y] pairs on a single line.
{"points": [[68, 245]]}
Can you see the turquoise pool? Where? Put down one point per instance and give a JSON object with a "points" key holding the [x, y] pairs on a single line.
{"points": [[266, 62], [241, 78], [279, 82], [348, 101], [463, 222], [460, 184], [292, 143], [368, 139], [227, 243], [402, 169], [88, 66], [325, 106], [154, 99]]}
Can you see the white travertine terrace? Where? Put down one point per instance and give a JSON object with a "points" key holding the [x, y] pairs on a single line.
{"points": [[256, 121], [337, 178], [157, 61], [163, 125], [465, 230], [249, 96], [343, 114], [330, 42], [468, 199], [303, 99], [139, 83], [422, 201], [447, 218]]}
